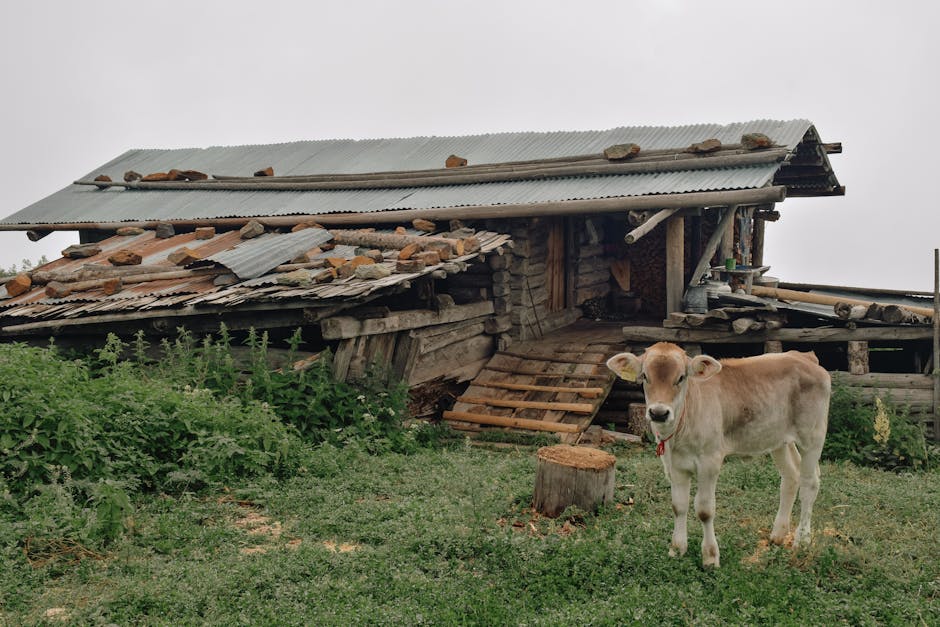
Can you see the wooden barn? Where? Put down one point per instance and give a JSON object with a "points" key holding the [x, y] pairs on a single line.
{"points": [[517, 262]]}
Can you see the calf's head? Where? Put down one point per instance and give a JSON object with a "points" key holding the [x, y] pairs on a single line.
{"points": [[665, 372]]}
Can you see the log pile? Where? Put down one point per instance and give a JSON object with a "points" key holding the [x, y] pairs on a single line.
{"points": [[877, 312], [739, 320], [853, 309]]}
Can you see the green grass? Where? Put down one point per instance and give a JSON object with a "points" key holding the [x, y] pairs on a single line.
{"points": [[445, 536]]}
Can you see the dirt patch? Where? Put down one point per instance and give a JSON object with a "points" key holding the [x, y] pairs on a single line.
{"points": [[256, 524], [56, 614], [345, 547]]}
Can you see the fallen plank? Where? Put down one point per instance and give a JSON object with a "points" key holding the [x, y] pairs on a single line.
{"points": [[504, 421], [344, 327], [586, 392], [555, 375], [579, 408]]}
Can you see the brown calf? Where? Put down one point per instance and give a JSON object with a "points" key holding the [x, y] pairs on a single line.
{"points": [[702, 410]]}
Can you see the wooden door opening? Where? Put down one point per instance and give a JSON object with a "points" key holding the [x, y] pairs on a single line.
{"points": [[556, 275]]}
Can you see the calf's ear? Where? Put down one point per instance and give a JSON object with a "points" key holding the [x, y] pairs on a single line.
{"points": [[704, 367], [625, 365]]}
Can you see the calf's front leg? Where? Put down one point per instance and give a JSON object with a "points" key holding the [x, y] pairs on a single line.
{"points": [[705, 510], [681, 483]]}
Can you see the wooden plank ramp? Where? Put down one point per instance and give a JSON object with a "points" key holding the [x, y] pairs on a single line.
{"points": [[550, 385]]}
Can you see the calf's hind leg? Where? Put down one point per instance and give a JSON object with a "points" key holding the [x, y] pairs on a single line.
{"points": [[787, 460], [809, 488]]}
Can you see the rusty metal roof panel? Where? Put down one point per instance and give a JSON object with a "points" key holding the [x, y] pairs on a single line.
{"points": [[254, 257], [199, 291], [87, 204]]}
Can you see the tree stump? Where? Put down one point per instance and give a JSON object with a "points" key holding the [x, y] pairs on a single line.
{"points": [[572, 475]]}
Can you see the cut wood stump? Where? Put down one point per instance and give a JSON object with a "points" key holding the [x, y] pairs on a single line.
{"points": [[572, 475]]}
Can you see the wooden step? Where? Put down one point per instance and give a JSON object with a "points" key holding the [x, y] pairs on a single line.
{"points": [[516, 423], [578, 408], [586, 392]]}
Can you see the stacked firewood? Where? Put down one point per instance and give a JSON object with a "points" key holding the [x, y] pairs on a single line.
{"points": [[892, 314], [739, 320]]}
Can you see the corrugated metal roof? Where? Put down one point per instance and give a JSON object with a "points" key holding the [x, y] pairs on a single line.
{"points": [[87, 204]]}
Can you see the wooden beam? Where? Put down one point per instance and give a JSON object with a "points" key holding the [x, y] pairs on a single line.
{"points": [[884, 380], [454, 176], [469, 212], [648, 225], [675, 263], [517, 423], [394, 240], [822, 334], [859, 290], [52, 327], [705, 261], [343, 327]]}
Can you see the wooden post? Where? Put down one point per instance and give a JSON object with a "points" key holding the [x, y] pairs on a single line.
{"points": [[936, 344], [726, 248], [675, 263], [858, 357], [572, 475], [773, 346], [757, 248]]}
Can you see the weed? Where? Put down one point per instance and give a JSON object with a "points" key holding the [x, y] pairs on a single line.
{"points": [[883, 436]]}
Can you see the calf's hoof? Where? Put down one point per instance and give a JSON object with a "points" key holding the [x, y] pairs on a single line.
{"points": [[677, 550], [781, 538], [710, 557]]}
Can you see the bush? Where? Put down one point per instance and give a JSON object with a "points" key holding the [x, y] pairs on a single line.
{"points": [[79, 438], [368, 411], [124, 426], [882, 436]]}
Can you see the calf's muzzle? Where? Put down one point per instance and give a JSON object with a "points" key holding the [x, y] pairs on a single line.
{"points": [[659, 412]]}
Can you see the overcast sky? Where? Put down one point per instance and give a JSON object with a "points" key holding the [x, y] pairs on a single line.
{"points": [[85, 81]]}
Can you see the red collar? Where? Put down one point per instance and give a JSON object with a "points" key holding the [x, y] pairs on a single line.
{"points": [[661, 444]]}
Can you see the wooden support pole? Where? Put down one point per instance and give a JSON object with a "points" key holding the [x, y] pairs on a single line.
{"points": [[726, 246], [649, 225], [757, 249], [705, 261], [675, 263], [936, 344], [858, 357]]}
